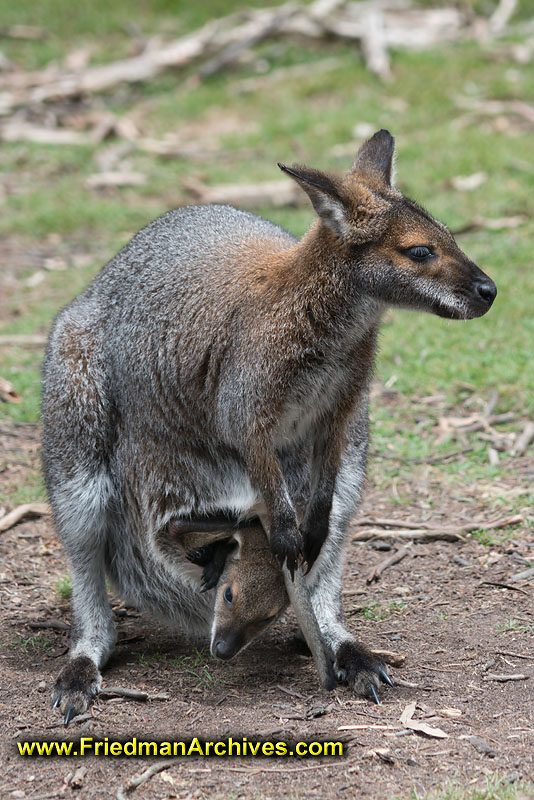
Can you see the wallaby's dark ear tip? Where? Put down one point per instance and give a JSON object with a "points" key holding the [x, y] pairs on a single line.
{"points": [[282, 166], [375, 157]]}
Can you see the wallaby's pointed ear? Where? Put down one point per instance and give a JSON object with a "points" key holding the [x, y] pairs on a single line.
{"points": [[374, 162], [324, 194]]}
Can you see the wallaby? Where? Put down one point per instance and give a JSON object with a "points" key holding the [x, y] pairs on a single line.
{"points": [[219, 365], [250, 587]]}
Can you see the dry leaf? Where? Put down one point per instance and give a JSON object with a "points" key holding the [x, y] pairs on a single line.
{"points": [[417, 725], [8, 393]]}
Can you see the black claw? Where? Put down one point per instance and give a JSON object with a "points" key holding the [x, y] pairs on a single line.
{"points": [[372, 694], [57, 701], [70, 713], [384, 676]]}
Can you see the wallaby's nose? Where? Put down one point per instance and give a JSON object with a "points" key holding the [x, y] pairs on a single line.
{"points": [[223, 649], [486, 290]]}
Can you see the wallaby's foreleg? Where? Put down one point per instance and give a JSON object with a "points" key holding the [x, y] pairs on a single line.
{"points": [[266, 474], [329, 442]]}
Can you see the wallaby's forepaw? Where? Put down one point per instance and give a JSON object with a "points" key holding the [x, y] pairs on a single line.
{"points": [[361, 670], [314, 539], [76, 687], [286, 547]]}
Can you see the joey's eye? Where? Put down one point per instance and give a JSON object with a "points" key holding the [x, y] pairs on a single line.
{"points": [[228, 596], [419, 252]]}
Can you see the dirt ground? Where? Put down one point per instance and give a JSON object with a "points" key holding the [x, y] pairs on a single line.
{"points": [[439, 606]]}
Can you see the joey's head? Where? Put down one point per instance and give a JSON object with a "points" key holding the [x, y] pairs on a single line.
{"points": [[250, 590], [399, 254]]}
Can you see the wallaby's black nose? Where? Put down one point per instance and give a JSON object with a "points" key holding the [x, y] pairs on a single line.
{"points": [[223, 649], [487, 291]]}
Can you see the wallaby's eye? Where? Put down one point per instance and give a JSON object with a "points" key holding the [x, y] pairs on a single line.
{"points": [[228, 596], [419, 252]]}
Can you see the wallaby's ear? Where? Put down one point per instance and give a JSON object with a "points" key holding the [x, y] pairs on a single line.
{"points": [[324, 194], [374, 162]]}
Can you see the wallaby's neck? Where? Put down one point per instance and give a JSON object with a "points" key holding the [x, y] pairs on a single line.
{"points": [[321, 282]]}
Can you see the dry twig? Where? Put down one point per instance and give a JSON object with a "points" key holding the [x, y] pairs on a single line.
{"points": [[377, 570], [26, 510], [505, 678]]}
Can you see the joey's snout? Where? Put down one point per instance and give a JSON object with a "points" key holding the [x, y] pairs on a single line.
{"points": [[226, 646]]}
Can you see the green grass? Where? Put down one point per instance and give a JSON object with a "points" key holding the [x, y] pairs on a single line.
{"points": [[194, 667], [63, 587], [515, 625], [496, 787], [422, 355], [33, 644]]}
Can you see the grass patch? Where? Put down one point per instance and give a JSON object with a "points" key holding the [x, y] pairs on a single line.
{"points": [[30, 645], [496, 788], [195, 667], [63, 587], [379, 611], [32, 490], [515, 626]]}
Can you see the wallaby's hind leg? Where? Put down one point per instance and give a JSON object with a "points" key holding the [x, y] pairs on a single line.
{"points": [[354, 664], [92, 639], [81, 509]]}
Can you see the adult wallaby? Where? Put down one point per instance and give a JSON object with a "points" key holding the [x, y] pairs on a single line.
{"points": [[219, 365], [250, 587]]}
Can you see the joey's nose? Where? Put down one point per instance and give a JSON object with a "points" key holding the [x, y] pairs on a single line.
{"points": [[223, 649], [486, 291]]}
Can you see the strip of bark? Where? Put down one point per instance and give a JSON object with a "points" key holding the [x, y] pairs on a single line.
{"points": [[19, 513]]}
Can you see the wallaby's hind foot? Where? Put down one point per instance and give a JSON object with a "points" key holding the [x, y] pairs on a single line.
{"points": [[76, 687], [361, 670]]}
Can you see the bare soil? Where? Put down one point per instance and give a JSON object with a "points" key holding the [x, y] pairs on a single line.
{"points": [[438, 606]]}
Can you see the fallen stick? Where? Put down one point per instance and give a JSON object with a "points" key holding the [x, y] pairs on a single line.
{"points": [[377, 570], [505, 678], [52, 624], [249, 195], [390, 657], [31, 32], [39, 134], [420, 530], [26, 510], [513, 655], [416, 535], [504, 586], [523, 440], [145, 776], [130, 694], [23, 340]]}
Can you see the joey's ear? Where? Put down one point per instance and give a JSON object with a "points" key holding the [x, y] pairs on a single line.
{"points": [[324, 194], [374, 161]]}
